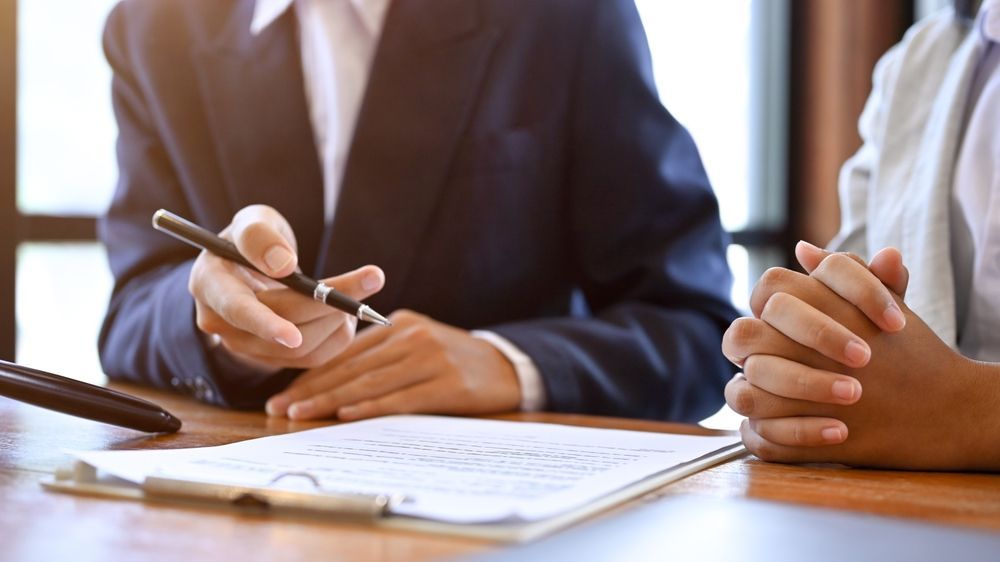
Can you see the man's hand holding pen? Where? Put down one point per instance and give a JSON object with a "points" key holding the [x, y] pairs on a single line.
{"points": [[259, 321], [266, 320]]}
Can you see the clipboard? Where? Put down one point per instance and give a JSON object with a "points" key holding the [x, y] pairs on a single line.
{"points": [[377, 510]]}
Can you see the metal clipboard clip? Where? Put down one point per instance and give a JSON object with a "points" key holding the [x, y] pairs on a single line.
{"points": [[269, 498]]}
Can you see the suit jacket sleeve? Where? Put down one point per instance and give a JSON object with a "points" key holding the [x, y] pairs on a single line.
{"points": [[149, 333], [649, 246]]}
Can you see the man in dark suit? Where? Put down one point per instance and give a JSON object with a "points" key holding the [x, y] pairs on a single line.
{"points": [[509, 167]]}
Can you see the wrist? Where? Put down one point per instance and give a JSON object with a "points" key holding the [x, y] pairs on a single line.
{"points": [[531, 389], [982, 430]]}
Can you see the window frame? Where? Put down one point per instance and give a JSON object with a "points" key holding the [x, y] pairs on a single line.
{"points": [[8, 176]]}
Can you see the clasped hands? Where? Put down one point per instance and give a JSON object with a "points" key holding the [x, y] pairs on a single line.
{"points": [[416, 366], [836, 368]]}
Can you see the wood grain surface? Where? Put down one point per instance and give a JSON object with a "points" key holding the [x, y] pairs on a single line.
{"points": [[39, 525]]}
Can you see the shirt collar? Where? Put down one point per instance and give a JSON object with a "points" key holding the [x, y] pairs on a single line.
{"points": [[988, 21], [265, 12]]}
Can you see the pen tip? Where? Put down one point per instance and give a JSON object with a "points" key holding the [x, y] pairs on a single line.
{"points": [[367, 314]]}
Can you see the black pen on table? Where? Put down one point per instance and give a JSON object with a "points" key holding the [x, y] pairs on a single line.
{"points": [[186, 231], [83, 400]]}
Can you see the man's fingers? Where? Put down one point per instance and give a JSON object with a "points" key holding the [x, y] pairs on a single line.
{"points": [[265, 239], [245, 312], [888, 266], [303, 310], [860, 287], [789, 379], [296, 307], [424, 398], [800, 431], [360, 283], [365, 340], [815, 330], [237, 304], [336, 373], [321, 340], [368, 386]]}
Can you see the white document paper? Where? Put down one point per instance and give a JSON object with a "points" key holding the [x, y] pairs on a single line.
{"points": [[449, 469]]}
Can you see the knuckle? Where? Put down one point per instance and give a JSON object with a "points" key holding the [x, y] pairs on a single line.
{"points": [[839, 259], [729, 392], [765, 450], [253, 232], [740, 398], [354, 366], [774, 277], [745, 401], [230, 313], [798, 435], [775, 304], [821, 334], [838, 262], [803, 384], [742, 333]]}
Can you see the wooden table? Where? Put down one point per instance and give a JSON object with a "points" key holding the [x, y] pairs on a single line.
{"points": [[39, 525]]}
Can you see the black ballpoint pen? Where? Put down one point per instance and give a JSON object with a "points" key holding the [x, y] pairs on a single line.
{"points": [[186, 231], [83, 400]]}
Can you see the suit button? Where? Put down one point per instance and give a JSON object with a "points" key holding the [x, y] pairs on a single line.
{"points": [[175, 382]]}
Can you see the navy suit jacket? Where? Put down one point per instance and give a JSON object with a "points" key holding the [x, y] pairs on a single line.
{"points": [[512, 170]]}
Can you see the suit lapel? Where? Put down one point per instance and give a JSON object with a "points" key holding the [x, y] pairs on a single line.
{"points": [[423, 85], [254, 98]]}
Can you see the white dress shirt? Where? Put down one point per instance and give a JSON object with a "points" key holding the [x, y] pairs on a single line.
{"points": [[338, 39], [976, 202]]}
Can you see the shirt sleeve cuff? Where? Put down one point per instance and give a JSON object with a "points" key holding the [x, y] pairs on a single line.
{"points": [[532, 388]]}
